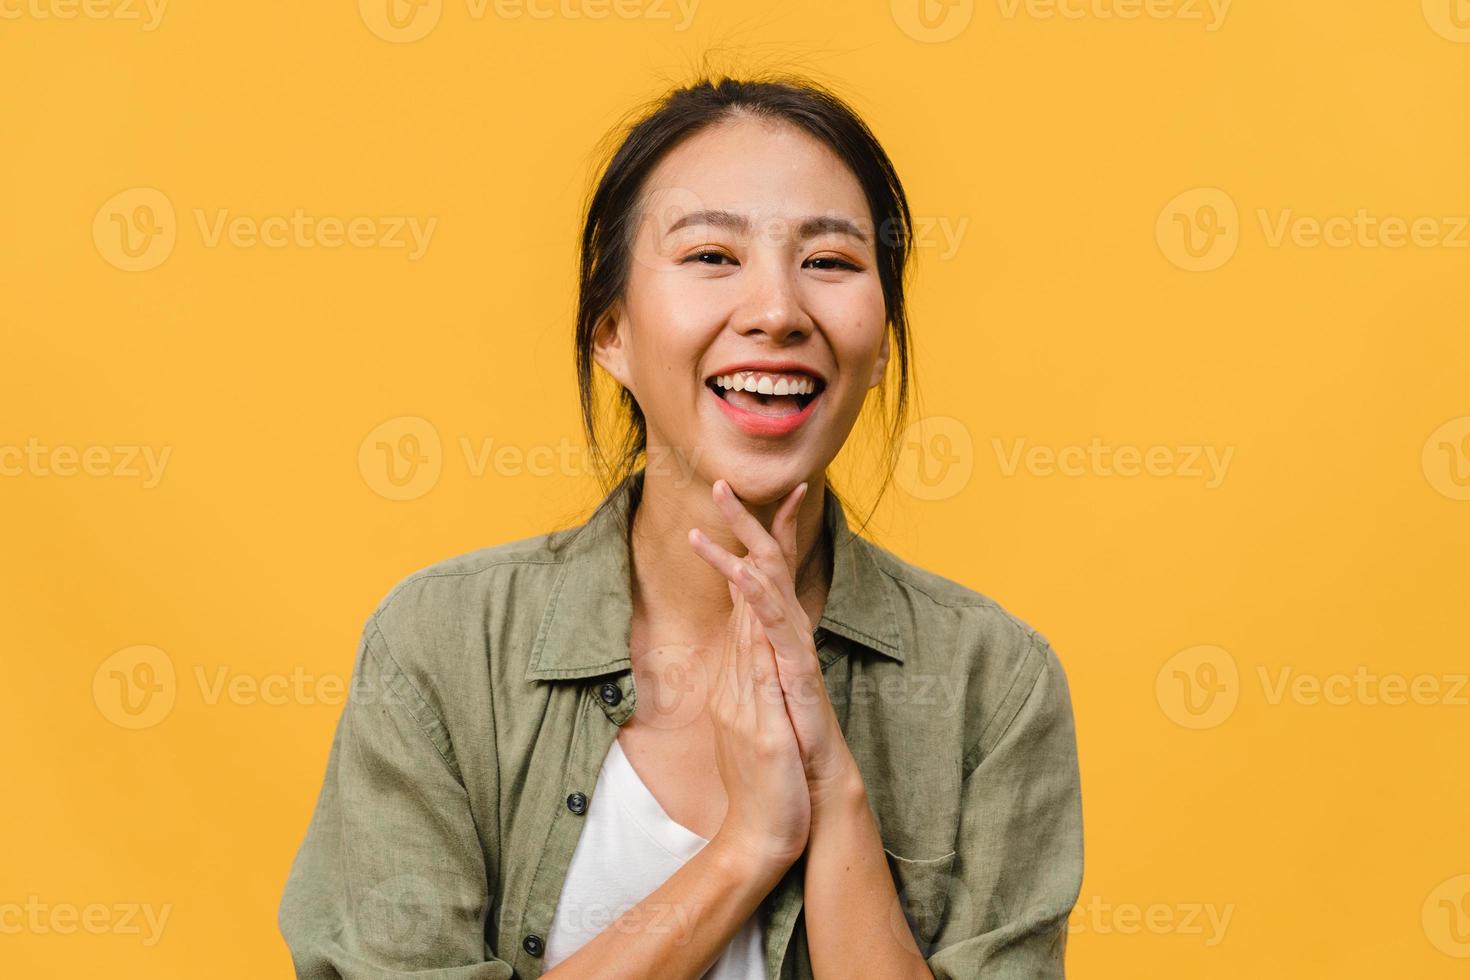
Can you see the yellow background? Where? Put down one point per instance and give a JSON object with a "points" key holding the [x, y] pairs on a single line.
{"points": [[1061, 151]]}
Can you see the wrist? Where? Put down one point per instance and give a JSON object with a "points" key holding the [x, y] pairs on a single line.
{"points": [[739, 861], [830, 760], [838, 789]]}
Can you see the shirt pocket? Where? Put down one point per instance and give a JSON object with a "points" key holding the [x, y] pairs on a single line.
{"points": [[923, 891]]}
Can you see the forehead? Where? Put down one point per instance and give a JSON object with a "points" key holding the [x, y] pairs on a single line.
{"points": [[769, 168]]}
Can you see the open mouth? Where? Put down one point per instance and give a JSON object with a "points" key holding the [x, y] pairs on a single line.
{"points": [[779, 402]]}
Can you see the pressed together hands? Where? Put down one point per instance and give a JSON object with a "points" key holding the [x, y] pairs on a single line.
{"points": [[780, 750]]}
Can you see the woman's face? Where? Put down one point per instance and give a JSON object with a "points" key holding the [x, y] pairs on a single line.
{"points": [[755, 257]]}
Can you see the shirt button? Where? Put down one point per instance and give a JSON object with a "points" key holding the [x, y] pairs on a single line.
{"points": [[610, 693], [577, 803], [532, 944]]}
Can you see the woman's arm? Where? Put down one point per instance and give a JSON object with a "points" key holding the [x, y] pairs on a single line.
{"points": [[703, 904], [391, 880], [850, 902], [1017, 869], [679, 930], [1018, 864]]}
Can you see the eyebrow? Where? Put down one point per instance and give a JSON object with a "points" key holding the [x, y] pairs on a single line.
{"points": [[808, 228]]}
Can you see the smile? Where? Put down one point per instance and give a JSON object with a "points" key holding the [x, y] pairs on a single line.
{"points": [[764, 403]]}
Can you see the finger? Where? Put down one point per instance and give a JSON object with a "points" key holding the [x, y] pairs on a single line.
{"points": [[725, 671], [760, 547], [768, 693], [782, 619], [738, 570], [750, 580], [743, 618], [758, 674]]}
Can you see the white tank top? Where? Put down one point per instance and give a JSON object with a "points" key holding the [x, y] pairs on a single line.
{"points": [[628, 848]]}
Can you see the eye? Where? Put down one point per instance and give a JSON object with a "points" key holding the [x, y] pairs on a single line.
{"points": [[705, 253], [835, 263]]}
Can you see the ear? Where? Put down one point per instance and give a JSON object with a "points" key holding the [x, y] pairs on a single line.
{"points": [[610, 347], [881, 364]]}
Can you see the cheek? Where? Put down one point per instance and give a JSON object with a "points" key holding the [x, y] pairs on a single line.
{"points": [[856, 323], [669, 323], [674, 306]]}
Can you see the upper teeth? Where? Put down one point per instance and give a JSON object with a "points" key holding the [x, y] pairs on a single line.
{"points": [[768, 384]]}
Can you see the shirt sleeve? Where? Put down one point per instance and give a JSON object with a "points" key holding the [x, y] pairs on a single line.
{"points": [[1018, 864], [390, 880]]}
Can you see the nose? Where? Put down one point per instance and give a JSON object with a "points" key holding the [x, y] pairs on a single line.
{"points": [[770, 302]]}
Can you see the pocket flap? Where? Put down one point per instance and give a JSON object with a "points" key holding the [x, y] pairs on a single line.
{"points": [[923, 890]]}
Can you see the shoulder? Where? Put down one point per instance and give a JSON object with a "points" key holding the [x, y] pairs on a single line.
{"points": [[960, 633], [445, 585], [435, 623]]}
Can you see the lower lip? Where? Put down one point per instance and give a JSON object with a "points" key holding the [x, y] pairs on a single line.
{"points": [[754, 424]]}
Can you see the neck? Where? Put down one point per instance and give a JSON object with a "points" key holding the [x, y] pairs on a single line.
{"points": [[677, 596]]}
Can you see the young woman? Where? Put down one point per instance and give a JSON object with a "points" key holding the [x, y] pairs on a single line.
{"points": [[711, 731]]}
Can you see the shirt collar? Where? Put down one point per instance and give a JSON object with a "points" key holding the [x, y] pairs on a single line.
{"points": [[587, 624]]}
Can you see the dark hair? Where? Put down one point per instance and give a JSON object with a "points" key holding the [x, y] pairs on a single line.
{"points": [[611, 219]]}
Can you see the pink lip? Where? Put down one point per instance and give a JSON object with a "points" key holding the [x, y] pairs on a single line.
{"points": [[771, 367], [765, 425]]}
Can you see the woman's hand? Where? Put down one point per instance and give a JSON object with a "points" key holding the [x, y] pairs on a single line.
{"points": [[769, 815], [764, 578]]}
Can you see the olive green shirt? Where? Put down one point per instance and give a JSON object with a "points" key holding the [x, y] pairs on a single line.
{"points": [[488, 688]]}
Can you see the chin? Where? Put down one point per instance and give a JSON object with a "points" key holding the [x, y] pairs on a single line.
{"points": [[757, 479]]}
